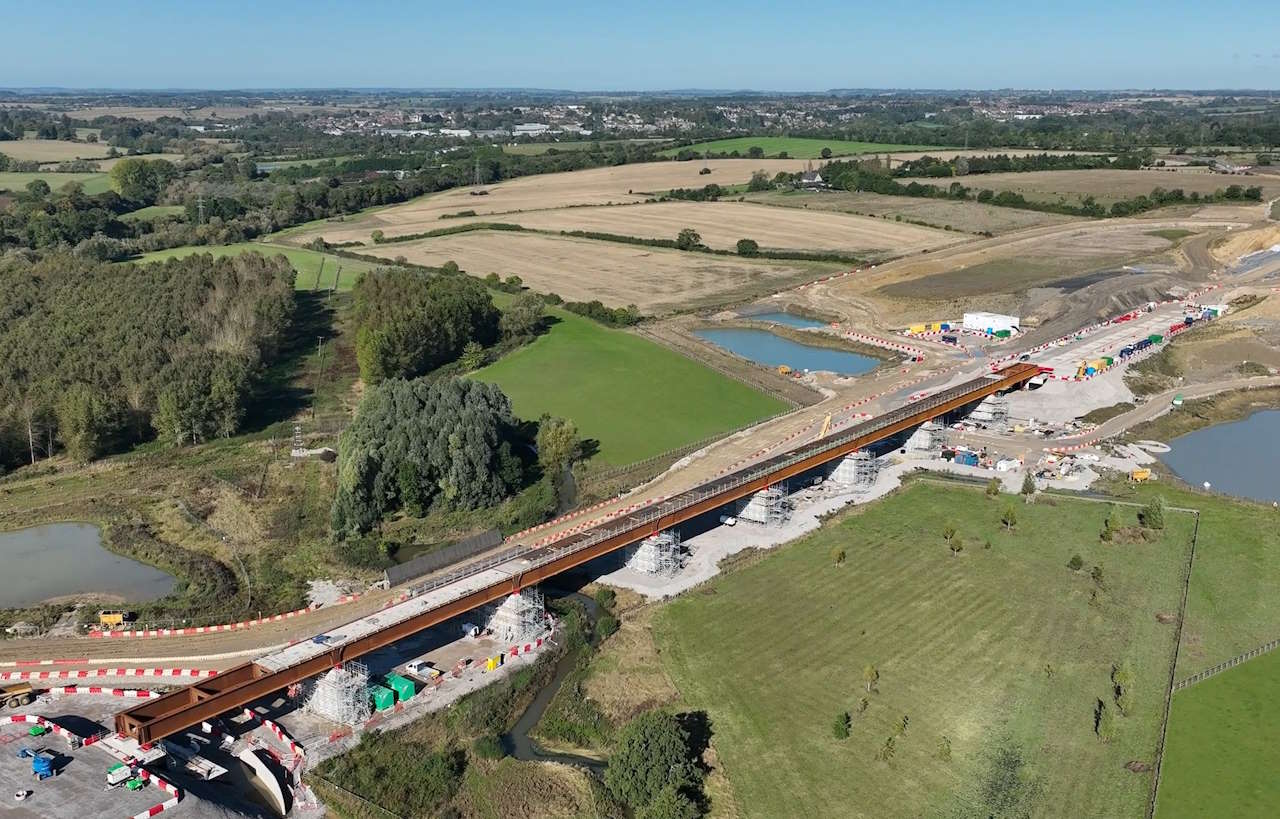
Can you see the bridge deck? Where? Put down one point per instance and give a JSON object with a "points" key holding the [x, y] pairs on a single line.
{"points": [[464, 589]]}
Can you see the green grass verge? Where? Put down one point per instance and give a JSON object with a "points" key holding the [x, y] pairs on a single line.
{"points": [[306, 262], [637, 398], [795, 147], [1220, 754], [93, 182], [775, 650], [1172, 234]]}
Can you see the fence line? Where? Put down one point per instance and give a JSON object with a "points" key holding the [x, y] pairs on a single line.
{"points": [[375, 808], [1223, 666], [1173, 667]]}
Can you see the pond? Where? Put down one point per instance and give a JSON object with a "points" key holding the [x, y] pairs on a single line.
{"points": [[62, 559], [789, 319], [771, 350], [1237, 458]]}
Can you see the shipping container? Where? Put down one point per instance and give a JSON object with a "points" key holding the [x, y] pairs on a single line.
{"points": [[944, 326], [383, 698], [967, 458], [1155, 338], [1003, 333], [1126, 351], [1109, 360], [403, 686], [950, 340], [916, 328], [1090, 370], [1189, 320]]}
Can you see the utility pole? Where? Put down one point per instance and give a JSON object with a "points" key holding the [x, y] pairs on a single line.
{"points": [[315, 387], [318, 274]]}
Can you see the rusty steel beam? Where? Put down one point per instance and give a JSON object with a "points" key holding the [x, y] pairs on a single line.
{"points": [[155, 719]]}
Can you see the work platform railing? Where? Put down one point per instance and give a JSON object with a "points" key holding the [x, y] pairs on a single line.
{"points": [[525, 565]]}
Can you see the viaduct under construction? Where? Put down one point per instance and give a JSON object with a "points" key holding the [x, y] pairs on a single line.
{"points": [[516, 567]]}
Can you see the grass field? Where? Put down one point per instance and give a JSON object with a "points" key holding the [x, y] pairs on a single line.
{"points": [[538, 148], [1000, 650], [638, 399], [1220, 754], [306, 262], [93, 182], [52, 150], [152, 211], [795, 147]]}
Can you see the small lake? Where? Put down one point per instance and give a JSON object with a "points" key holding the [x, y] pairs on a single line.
{"points": [[789, 319], [68, 558], [771, 350], [1237, 458]]}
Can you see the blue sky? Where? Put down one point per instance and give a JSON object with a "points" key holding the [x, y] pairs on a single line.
{"points": [[656, 44]]}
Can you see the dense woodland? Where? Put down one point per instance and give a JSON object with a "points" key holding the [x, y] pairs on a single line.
{"points": [[94, 357], [420, 445]]}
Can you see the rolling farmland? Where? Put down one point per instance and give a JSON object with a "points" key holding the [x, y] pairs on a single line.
{"points": [[655, 280], [795, 147], [722, 224]]}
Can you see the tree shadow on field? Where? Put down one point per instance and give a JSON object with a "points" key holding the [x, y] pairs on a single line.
{"points": [[285, 388]]}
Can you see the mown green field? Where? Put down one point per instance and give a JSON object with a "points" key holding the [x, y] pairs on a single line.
{"points": [[795, 147], [1220, 754], [152, 211], [538, 148], [1001, 651], [637, 398], [306, 262], [93, 182]]}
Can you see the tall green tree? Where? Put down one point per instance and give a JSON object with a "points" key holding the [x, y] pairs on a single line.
{"points": [[421, 445], [651, 756], [89, 422]]}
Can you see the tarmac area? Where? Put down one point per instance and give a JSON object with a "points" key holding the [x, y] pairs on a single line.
{"points": [[79, 789]]}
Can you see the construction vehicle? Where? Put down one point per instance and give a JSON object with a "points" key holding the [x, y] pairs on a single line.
{"points": [[17, 694], [114, 617], [1140, 475], [118, 774], [41, 762], [783, 369]]}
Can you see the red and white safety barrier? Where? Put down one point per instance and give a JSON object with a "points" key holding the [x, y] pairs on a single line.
{"points": [[297, 750], [129, 693], [107, 672], [171, 802], [193, 630], [529, 648]]}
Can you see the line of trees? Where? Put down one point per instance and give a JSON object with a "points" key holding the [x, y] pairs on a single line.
{"points": [[95, 357]]}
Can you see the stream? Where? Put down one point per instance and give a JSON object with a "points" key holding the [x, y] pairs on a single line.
{"points": [[518, 743]]}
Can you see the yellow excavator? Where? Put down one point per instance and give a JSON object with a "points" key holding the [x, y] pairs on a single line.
{"points": [[826, 427]]}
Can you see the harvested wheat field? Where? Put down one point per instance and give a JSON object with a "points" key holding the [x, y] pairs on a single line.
{"points": [[1109, 186], [965, 217], [896, 159], [52, 150], [655, 280], [1035, 257], [722, 224], [595, 186]]}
